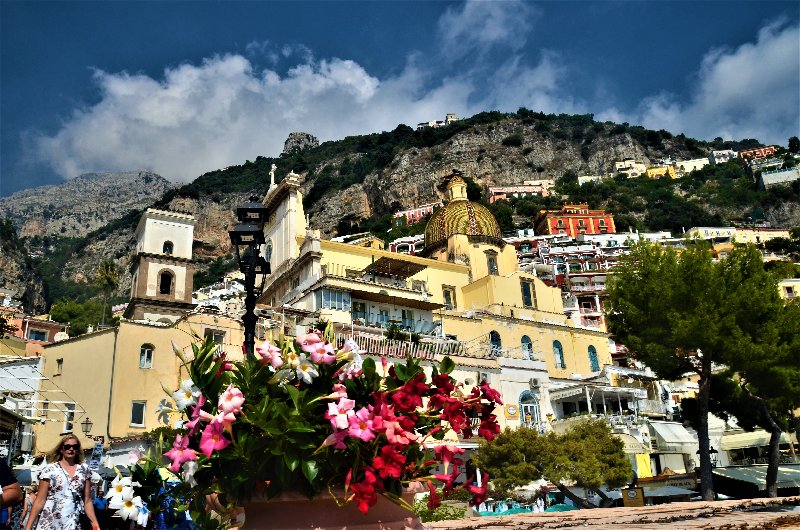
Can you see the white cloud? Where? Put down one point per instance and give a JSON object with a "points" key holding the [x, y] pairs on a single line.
{"points": [[747, 92], [477, 25]]}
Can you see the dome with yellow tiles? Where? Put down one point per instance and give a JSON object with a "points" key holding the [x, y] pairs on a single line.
{"points": [[460, 216]]}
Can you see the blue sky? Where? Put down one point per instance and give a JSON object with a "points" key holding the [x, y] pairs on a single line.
{"points": [[181, 88]]}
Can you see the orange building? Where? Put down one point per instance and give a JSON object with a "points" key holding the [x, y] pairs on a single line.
{"points": [[574, 219], [759, 152]]}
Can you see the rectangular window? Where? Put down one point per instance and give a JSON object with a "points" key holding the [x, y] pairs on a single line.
{"points": [[408, 319], [146, 356], [449, 294], [528, 294], [359, 311], [137, 413], [59, 366], [69, 415], [333, 299], [37, 334], [383, 317], [216, 335], [491, 263], [44, 409]]}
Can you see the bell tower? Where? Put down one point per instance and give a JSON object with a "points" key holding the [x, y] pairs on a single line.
{"points": [[161, 289]]}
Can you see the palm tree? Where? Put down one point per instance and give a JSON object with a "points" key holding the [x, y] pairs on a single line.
{"points": [[107, 279]]}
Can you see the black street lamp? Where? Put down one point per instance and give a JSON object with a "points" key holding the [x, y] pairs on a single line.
{"points": [[247, 238], [86, 426]]}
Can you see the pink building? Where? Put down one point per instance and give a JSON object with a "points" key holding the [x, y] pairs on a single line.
{"points": [[415, 215]]}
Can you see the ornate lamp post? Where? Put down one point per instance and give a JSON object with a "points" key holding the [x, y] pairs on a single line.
{"points": [[86, 426], [247, 238]]}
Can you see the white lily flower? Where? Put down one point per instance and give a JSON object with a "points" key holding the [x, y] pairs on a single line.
{"points": [[117, 485], [119, 500], [136, 454], [293, 359], [186, 395], [306, 370], [189, 469]]}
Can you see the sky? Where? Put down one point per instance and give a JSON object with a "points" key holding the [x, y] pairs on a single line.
{"points": [[182, 87]]}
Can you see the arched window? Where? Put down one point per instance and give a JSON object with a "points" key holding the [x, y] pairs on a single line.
{"points": [[494, 343], [529, 409], [268, 252], [558, 353], [594, 364], [168, 246], [165, 283], [146, 356], [527, 348]]}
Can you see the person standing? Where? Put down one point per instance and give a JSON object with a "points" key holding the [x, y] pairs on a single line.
{"points": [[11, 494], [28, 505], [64, 490]]}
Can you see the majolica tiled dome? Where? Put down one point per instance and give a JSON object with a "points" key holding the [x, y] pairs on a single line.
{"points": [[460, 216]]}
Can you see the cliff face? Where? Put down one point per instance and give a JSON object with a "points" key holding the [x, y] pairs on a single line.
{"points": [[83, 204], [16, 272], [480, 154]]}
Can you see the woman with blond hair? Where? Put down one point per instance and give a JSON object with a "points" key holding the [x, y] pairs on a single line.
{"points": [[64, 490]]}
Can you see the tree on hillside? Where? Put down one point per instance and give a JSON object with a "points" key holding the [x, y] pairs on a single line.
{"points": [[586, 456], [79, 315], [794, 144], [683, 312], [107, 278]]}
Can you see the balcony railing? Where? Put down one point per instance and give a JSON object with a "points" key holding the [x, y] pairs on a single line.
{"points": [[651, 406], [380, 347]]}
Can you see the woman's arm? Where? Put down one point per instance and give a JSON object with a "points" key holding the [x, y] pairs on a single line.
{"points": [[88, 505], [24, 509], [38, 504]]}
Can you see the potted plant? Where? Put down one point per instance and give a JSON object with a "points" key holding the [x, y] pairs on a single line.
{"points": [[308, 419]]}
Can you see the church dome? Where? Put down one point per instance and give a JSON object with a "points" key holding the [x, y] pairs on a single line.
{"points": [[460, 216]]}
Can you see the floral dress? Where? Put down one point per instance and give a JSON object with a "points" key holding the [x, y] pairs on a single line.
{"points": [[64, 504]]}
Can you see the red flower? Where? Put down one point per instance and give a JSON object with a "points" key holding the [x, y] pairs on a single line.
{"points": [[389, 463], [448, 480], [408, 397], [433, 499], [488, 428], [442, 384], [364, 492], [447, 454], [490, 394], [478, 492]]}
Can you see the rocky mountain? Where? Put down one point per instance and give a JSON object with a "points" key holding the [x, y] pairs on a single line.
{"points": [[16, 272], [83, 204], [357, 182], [298, 141]]}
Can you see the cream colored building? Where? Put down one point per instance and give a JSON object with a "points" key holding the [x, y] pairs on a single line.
{"points": [[464, 297], [759, 236], [116, 377]]}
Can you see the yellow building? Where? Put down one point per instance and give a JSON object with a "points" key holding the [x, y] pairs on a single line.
{"points": [[661, 171], [759, 236], [464, 296], [116, 377]]}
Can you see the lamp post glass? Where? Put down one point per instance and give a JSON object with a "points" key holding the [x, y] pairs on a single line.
{"points": [[86, 426]]}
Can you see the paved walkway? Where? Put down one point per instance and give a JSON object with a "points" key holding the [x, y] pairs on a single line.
{"points": [[753, 514]]}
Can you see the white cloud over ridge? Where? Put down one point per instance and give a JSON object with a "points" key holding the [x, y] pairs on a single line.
{"points": [[224, 110], [748, 92]]}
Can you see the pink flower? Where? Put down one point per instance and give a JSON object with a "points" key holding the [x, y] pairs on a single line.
{"points": [[339, 392], [225, 419], [447, 454], [231, 400], [180, 453], [361, 426], [336, 440], [270, 354], [397, 435], [320, 352], [193, 425], [308, 340], [339, 413], [212, 439]]}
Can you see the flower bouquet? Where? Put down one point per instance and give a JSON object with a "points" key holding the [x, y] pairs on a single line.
{"points": [[311, 417]]}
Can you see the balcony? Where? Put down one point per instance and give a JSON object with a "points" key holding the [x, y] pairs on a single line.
{"points": [[651, 407], [400, 349]]}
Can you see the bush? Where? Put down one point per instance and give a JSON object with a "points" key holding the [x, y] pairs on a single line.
{"points": [[515, 140], [444, 512]]}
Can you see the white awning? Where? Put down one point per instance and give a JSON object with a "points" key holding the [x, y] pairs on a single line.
{"points": [[671, 435], [632, 445], [760, 438]]}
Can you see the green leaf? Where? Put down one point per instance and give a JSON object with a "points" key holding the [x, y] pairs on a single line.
{"points": [[368, 367], [310, 470], [294, 394], [447, 365], [292, 460], [401, 372]]}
